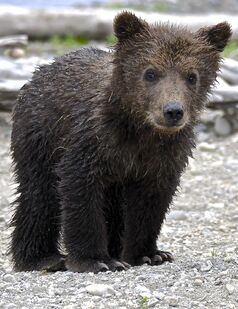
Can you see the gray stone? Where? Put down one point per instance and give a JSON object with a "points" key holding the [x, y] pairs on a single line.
{"points": [[222, 126], [230, 288], [15, 52], [204, 146], [172, 301], [100, 289], [178, 215], [9, 278], [205, 267], [198, 282]]}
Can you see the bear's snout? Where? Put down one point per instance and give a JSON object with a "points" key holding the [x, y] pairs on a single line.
{"points": [[173, 113]]}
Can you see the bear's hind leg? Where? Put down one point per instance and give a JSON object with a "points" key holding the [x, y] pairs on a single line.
{"points": [[36, 219]]}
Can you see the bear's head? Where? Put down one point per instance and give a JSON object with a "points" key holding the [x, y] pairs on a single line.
{"points": [[163, 72]]}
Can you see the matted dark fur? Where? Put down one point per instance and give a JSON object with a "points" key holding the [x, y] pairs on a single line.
{"points": [[99, 143]]}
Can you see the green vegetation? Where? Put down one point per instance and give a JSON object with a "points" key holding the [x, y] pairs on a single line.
{"points": [[63, 43], [111, 39], [68, 42], [115, 6], [231, 49], [143, 302], [213, 252], [71, 41], [160, 6]]}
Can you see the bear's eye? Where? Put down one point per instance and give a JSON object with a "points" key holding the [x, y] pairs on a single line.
{"points": [[151, 75], [192, 78]]}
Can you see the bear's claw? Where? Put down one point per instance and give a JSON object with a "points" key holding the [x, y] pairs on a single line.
{"points": [[165, 255], [159, 258], [96, 266]]}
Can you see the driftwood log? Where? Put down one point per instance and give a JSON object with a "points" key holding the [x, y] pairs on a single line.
{"points": [[14, 73], [92, 23], [13, 41]]}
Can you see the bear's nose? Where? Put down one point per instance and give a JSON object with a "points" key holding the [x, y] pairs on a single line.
{"points": [[173, 112]]}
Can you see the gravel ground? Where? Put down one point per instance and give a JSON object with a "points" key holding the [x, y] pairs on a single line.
{"points": [[201, 230]]}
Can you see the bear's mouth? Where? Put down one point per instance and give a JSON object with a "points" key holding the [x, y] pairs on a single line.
{"points": [[159, 125], [169, 129]]}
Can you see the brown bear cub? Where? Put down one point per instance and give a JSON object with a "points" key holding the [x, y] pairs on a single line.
{"points": [[100, 140]]}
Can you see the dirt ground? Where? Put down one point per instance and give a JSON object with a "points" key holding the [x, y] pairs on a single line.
{"points": [[201, 231]]}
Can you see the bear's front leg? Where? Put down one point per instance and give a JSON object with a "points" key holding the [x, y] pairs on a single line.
{"points": [[145, 212], [84, 228]]}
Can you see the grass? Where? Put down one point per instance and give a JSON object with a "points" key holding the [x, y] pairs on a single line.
{"points": [[115, 6], [143, 302], [213, 253], [162, 6], [69, 41]]}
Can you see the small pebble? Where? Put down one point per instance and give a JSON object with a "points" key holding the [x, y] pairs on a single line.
{"points": [[71, 306], [222, 126], [143, 291], [230, 288], [198, 282], [88, 305], [178, 215], [158, 295], [9, 278], [216, 205], [112, 304], [16, 52], [206, 146], [140, 278], [205, 267], [10, 306], [218, 281], [172, 301], [152, 303], [100, 289]]}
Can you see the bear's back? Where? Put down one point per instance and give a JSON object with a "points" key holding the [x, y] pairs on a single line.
{"points": [[77, 73], [61, 94], [73, 82]]}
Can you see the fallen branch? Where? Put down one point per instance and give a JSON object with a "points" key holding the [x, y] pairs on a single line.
{"points": [[14, 41]]}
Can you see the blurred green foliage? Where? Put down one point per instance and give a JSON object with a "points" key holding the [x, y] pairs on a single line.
{"points": [[64, 43], [115, 6], [111, 39], [68, 42], [162, 6], [231, 49], [143, 302]]}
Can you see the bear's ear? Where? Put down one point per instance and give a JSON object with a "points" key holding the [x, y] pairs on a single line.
{"points": [[217, 35], [126, 25]]}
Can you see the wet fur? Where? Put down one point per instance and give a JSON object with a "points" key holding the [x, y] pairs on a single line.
{"points": [[87, 161]]}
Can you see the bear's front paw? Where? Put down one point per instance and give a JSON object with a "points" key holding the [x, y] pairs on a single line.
{"points": [[165, 256], [157, 259], [96, 266]]}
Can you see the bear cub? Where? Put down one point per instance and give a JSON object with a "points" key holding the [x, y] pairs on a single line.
{"points": [[99, 142]]}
